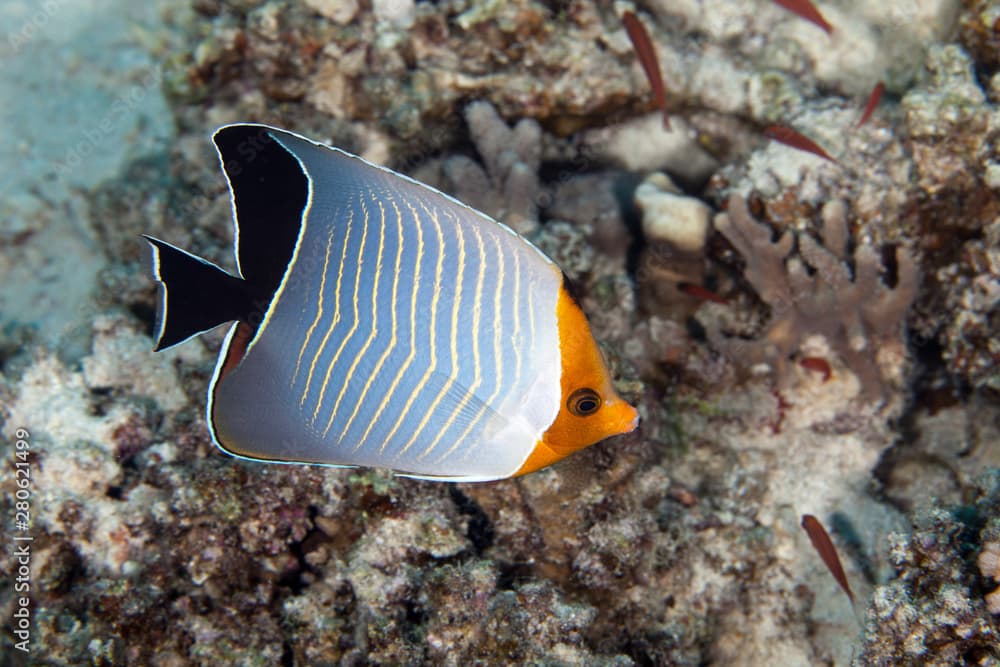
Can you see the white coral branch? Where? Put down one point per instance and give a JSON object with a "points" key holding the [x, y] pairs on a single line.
{"points": [[512, 158]]}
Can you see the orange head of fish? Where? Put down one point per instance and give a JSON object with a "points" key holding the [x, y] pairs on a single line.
{"points": [[590, 409]]}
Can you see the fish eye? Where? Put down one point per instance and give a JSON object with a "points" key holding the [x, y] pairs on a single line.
{"points": [[584, 402]]}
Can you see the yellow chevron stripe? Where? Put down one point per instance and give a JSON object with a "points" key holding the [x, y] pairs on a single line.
{"points": [[354, 324], [319, 311], [413, 330], [497, 350], [336, 309], [374, 330], [477, 312], [435, 298], [517, 342], [531, 319], [454, 331], [393, 339]]}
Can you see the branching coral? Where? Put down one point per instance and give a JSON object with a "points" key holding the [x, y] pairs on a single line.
{"points": [[508, 188], [815, 293]]}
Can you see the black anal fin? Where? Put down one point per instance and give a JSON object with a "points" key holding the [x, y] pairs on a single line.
{"points": [[195, 295]]}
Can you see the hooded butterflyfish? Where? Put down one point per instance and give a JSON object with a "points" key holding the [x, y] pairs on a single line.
{"points": [[379, 322]]}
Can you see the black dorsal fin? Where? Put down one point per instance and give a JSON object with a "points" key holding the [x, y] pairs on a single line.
{"points": [[195, 295], [269, 191]]}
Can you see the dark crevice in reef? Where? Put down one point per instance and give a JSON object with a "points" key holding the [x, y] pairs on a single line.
{"points": [[287, 655], [512, 574], [480, 531], [624, 189], [293, 579]]}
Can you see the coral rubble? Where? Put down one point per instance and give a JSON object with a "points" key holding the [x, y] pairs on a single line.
{"points": [[933, 612]]}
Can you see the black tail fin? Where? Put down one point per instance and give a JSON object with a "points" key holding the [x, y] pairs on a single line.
{"points": [[195, 295]]}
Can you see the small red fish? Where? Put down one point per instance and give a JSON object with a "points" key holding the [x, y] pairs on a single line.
{"points": [[699, 292], [782, 406], [806, 10], [644, 49], [824, 547], [789, 137], [817, 364], [683, 496], [873, 99]]}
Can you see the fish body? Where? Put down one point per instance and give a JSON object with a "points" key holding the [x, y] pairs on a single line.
{"points": [[379, 322]]}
